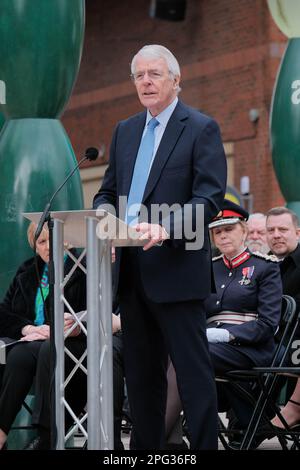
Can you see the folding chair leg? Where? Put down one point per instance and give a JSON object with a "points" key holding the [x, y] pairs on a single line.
{"points": [[220, 434]]}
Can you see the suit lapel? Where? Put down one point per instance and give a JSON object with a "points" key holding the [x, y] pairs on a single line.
{"points": [[133, 137], [171, 135]]}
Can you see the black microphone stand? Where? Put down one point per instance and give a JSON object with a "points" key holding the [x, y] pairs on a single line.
{"points": [[51, 280], [90, 154]]}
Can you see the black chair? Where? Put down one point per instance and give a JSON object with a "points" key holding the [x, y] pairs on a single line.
{"points": [[286, 433], [266, 383]]}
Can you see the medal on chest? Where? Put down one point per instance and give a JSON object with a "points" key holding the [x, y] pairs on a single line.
{"points": [[247, 274]]}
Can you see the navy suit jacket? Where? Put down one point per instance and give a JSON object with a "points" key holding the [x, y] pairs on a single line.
{"points": [[189, 168]]}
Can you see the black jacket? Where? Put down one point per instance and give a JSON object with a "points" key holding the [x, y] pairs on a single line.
{"points": [[290, 275], [18, 306]]}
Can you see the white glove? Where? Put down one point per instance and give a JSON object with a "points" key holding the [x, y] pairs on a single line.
{"points": [[217, 335]]}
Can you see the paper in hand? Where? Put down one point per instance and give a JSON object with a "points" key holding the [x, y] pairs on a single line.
{"points": [[10, 344]]}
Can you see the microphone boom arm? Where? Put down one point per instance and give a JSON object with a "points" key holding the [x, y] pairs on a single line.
{"points": [[90, 154]]}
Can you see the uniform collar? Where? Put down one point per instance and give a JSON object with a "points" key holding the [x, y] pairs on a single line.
{"points": [[237, 260]]}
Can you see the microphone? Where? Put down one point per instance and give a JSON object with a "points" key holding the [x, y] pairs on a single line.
{"points": [[91, 154]]}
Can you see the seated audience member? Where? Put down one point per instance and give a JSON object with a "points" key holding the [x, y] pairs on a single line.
{"points": [[291, 411], [243, 314], [257, 233], [24, 317], [283, 239]]}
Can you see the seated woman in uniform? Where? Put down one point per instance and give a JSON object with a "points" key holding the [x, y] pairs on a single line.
{"points": [[244, 312], [24, 317]]}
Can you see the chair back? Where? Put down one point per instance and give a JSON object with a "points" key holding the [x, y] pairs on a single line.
{"points": [[284, 336]]}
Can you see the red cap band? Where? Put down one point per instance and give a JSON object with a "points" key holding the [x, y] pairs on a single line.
{"points": [[227, 213]]}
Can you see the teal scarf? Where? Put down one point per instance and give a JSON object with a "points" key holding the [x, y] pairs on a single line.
{"points": [[39, 299]]}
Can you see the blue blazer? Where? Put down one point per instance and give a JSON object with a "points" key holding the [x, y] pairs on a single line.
{"points": [[189, 168]]}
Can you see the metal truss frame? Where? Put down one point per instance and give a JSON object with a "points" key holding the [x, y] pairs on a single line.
{"points": [[96, 424]]}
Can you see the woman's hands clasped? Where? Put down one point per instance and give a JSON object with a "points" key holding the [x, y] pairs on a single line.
{"points": [[42, 332], [35, 333]]}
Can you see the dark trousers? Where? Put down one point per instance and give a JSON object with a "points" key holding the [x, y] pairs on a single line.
{"points": [[17, 378], [150, 332], [30, 361], [27, 362], [75, 391], [226, 357]]}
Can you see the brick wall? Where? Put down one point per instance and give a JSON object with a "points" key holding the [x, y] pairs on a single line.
{"points": [[229, 52]]}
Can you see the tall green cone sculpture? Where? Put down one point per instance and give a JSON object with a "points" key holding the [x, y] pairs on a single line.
{"points": [[285, 108], [40, 49]]}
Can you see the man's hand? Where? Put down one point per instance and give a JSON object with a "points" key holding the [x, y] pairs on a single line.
{"points": [[217, 335], [155, 233]]}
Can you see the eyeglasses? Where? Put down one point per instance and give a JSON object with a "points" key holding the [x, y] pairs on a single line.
{"points": [[152, 74]]}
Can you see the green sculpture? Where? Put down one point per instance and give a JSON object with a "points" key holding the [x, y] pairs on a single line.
{"points": [[40, 49], [285, 109], [2, 121]]}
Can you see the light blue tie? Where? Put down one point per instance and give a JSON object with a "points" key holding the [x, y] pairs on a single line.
{"points": [[141, 172]]}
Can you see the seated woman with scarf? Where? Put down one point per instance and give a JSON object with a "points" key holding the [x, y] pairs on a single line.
{"points": [[24, 317]]}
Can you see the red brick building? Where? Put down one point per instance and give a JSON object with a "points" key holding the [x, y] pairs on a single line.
{"points": [[229, 52]]}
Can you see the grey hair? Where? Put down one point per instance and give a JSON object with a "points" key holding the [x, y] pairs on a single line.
{"points": [[156, 51], [257, 215]]}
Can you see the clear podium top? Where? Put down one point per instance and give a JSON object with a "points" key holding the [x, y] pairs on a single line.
{"points": [[108, 226]]}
